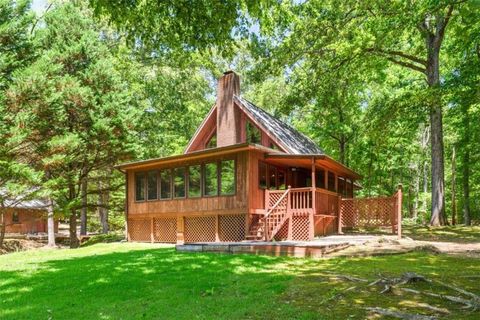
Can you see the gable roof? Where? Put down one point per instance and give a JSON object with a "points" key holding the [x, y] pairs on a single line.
{"points": [[292, 140]]}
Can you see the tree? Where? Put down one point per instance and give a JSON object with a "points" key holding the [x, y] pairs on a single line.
{"points": [[407, 34], [17, 179], [178, 28], [71, 108]]}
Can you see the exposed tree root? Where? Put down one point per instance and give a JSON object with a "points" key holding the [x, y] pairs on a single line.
{"points": [[400, 315], [433, 308]]}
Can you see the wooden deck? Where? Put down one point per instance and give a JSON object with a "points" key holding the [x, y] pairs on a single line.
{"points": [[317, 248]]}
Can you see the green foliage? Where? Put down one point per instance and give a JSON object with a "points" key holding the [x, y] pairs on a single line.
{"points": [[70, 109], [177, 28], [104, 238]]}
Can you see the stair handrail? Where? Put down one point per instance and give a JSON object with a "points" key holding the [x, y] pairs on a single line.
{"points": [[265, 231], [276, 203]]}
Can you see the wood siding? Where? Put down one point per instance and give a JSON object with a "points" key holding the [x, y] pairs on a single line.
{"points": [[29, 221]]}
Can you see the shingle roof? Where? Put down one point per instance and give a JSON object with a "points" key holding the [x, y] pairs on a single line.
{"points": [[294, 141], [22, 201]]}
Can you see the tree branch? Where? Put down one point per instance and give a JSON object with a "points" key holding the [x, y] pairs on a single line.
{"points": [[407, 65], [399, 54], [442, 24]]}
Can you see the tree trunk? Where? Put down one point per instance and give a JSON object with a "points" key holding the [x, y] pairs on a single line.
{"points": [[341, 145], [3, 226], [425, 191], [466, 167], [416, 194], [83, 212], [74, 242], [50, 223], [436, 134], [454, 195], [103, 199]]}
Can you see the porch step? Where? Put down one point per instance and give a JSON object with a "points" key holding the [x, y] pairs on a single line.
{"points": [[253, 237]]}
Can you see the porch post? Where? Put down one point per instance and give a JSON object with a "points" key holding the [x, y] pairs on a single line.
{"points": [[152, 240], [217, 236], [339, 216], [290, 217], [311, 224], [336, 182], [399, 211], [180, 230], [326, 179]]}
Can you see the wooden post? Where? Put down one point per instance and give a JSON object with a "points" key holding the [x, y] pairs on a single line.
{"points": [[289, 214], [311, 222], [326, 179], [217, 236], [399, 211], [336, 182], [180, 230], [267, 205], [339, 215], [151, 231]]}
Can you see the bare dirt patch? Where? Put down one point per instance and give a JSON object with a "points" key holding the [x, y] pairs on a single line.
{"points": [[15, 245], [385, 245]]}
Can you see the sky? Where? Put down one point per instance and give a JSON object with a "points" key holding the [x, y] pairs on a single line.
{"points": [[39, 6]]}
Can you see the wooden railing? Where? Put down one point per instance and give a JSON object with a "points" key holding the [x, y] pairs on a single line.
{"points": [[372, 212], [277, 202], [314, 204], [301, 200]]}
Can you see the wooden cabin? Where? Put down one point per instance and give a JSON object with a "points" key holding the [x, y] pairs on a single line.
{"points": [[244, 175], [27, 217]]}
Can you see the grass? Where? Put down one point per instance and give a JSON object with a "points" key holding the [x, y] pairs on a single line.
{"points": [[459, 233], [144, 281]]}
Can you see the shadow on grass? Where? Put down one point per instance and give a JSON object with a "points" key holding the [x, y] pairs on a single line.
{"points": [[459, 233], [152, 284], [159, 283]]}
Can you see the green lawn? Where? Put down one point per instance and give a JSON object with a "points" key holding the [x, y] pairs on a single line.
{"points": [[458, 233], [143, 281]]}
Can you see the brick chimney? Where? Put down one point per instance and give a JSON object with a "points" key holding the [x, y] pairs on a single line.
{"points": [[228, 117]]}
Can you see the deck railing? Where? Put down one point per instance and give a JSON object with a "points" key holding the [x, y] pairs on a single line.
{"points": [[372, 213], [308, 209]]}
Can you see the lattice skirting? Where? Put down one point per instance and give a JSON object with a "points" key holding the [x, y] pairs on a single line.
{"points": [[300, 227], [165, 229], [139, 230], [200, 229], [231, 228], [282, 234]]}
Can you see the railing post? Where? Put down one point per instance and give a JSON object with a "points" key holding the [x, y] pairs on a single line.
{"points": [[289, 215], [267, 205], [399, 211], [339, 215]]}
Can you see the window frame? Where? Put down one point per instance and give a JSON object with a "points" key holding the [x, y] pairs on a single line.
{"points": [[15, 217], [219, 168], [254, 127], [172, 179], [188, 181], [169, 170], [146, 187], [267, 176], [144, 174], [204, 165]]}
